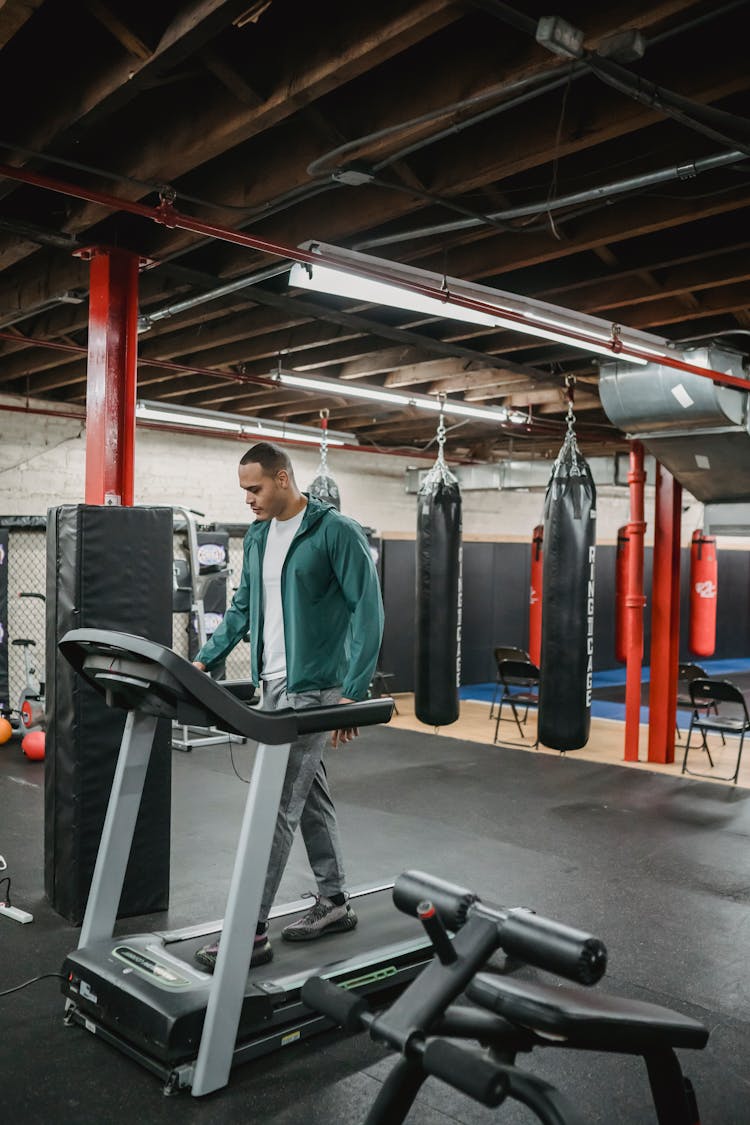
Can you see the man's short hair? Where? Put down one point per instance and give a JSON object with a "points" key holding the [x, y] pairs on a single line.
{"points": [[271, 458]]}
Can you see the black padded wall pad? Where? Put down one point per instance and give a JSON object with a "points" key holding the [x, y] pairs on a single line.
{"points": [[107, 568]]}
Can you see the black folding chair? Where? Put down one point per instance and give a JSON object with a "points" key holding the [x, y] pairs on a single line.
{"points": [[519, 680], [504, 652], [379, 686], [686, 673], [718, 706]]}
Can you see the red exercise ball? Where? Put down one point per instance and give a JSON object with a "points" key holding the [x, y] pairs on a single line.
{"points": [[33, 745], [6, 731]]}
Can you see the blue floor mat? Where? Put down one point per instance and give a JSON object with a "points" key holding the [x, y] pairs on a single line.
{"points": [[614, 677]]}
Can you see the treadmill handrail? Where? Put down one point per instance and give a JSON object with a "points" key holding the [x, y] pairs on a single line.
{"points": [[268, 727]]}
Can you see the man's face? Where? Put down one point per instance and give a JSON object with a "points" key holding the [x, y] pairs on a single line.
{"points": [[266, 495]]}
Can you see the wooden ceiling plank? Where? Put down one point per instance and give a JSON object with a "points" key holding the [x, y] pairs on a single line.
{"points": [[117, 27], [474, 381], [230, 78], [13, 15], [372, 36], [700, 271], [622, 222], [102, 93]]}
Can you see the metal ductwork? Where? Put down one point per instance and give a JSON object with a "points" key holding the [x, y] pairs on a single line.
{"points": [[699, 430], [527, 475]]}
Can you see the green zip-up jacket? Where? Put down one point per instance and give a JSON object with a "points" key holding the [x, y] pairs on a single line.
{"points": [[330, 596]]}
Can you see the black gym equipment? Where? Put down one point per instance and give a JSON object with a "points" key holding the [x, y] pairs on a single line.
{"points": [[567, 653], [108, 567], [144, 993], [507, 1016], [200, 590], [437, 648]]}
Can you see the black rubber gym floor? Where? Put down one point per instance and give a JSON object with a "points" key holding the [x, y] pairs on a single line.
{"points": [[659, 867]]}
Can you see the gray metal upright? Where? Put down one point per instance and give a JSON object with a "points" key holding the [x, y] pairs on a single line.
{"points": [[119, 827], [224, 1008]]}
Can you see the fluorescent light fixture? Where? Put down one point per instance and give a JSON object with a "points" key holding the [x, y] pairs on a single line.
{"points": [[392, 398], [250, 428], [361, 277]]}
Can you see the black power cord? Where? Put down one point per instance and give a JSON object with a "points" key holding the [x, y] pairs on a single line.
{"points": [[26, 983]]}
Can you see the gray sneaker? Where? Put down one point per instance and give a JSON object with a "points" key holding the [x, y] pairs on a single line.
{"points": [[261, 955], [321, 919]]}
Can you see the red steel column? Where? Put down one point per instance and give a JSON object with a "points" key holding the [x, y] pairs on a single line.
{"points": [[665, 618], [634, 601], [111, 386]]}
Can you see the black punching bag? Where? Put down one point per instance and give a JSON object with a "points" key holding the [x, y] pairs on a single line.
{"points": [[566, 663], [438, 596]]}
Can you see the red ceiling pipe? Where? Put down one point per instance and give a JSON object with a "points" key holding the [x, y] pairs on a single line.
{"points": [[665, 618], [167, 364], [111, 376], [169, 216], [635, 601]]}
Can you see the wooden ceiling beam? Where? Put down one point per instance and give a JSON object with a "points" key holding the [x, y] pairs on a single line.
{"points": [[96, 93], [699, 271], [237, 85], [369, 35], [487, 174], [484, 394], [474, 380], [117, 27], [583, 402], [13, 15], [657, 314]]}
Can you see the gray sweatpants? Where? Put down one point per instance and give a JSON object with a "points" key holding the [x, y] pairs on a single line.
{"points": [[305, 801]]}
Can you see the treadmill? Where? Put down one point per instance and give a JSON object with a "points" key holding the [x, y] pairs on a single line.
{"points": [[144, 993]]}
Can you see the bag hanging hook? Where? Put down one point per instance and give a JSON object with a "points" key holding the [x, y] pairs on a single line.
{"points": [[441, 429], [570, 418], [324, 414]]}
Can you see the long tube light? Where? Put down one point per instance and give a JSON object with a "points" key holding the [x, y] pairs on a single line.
{"points": [[395, 398], [239, 424], [347, 273]]}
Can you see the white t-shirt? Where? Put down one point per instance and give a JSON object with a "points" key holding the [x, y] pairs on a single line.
{"points": [[280, 535]]}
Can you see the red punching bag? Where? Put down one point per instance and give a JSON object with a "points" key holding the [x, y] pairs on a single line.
{"points": [[621, 591], [535, 595], [704, 576]]}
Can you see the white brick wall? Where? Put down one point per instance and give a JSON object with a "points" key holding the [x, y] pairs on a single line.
{"points": [[42, 463]]}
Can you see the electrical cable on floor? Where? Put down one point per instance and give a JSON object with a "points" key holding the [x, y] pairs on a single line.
{"points": [[26, 983], [245, 780]]}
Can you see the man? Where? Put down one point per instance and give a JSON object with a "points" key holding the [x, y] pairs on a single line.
{"points": [[310, 599]]}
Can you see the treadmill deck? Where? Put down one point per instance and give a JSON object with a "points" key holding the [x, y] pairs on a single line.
{"points": [[152, 996]]}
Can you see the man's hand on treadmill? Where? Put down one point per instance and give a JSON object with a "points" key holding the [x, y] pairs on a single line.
{"points": [[200, 666], [339, 737]]}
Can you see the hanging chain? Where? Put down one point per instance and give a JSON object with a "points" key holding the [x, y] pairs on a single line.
{"points": [[324, 442], [570, 418], [441, 429]]}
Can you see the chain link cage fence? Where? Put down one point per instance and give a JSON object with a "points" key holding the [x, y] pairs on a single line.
{"points": [[26, 575]]}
